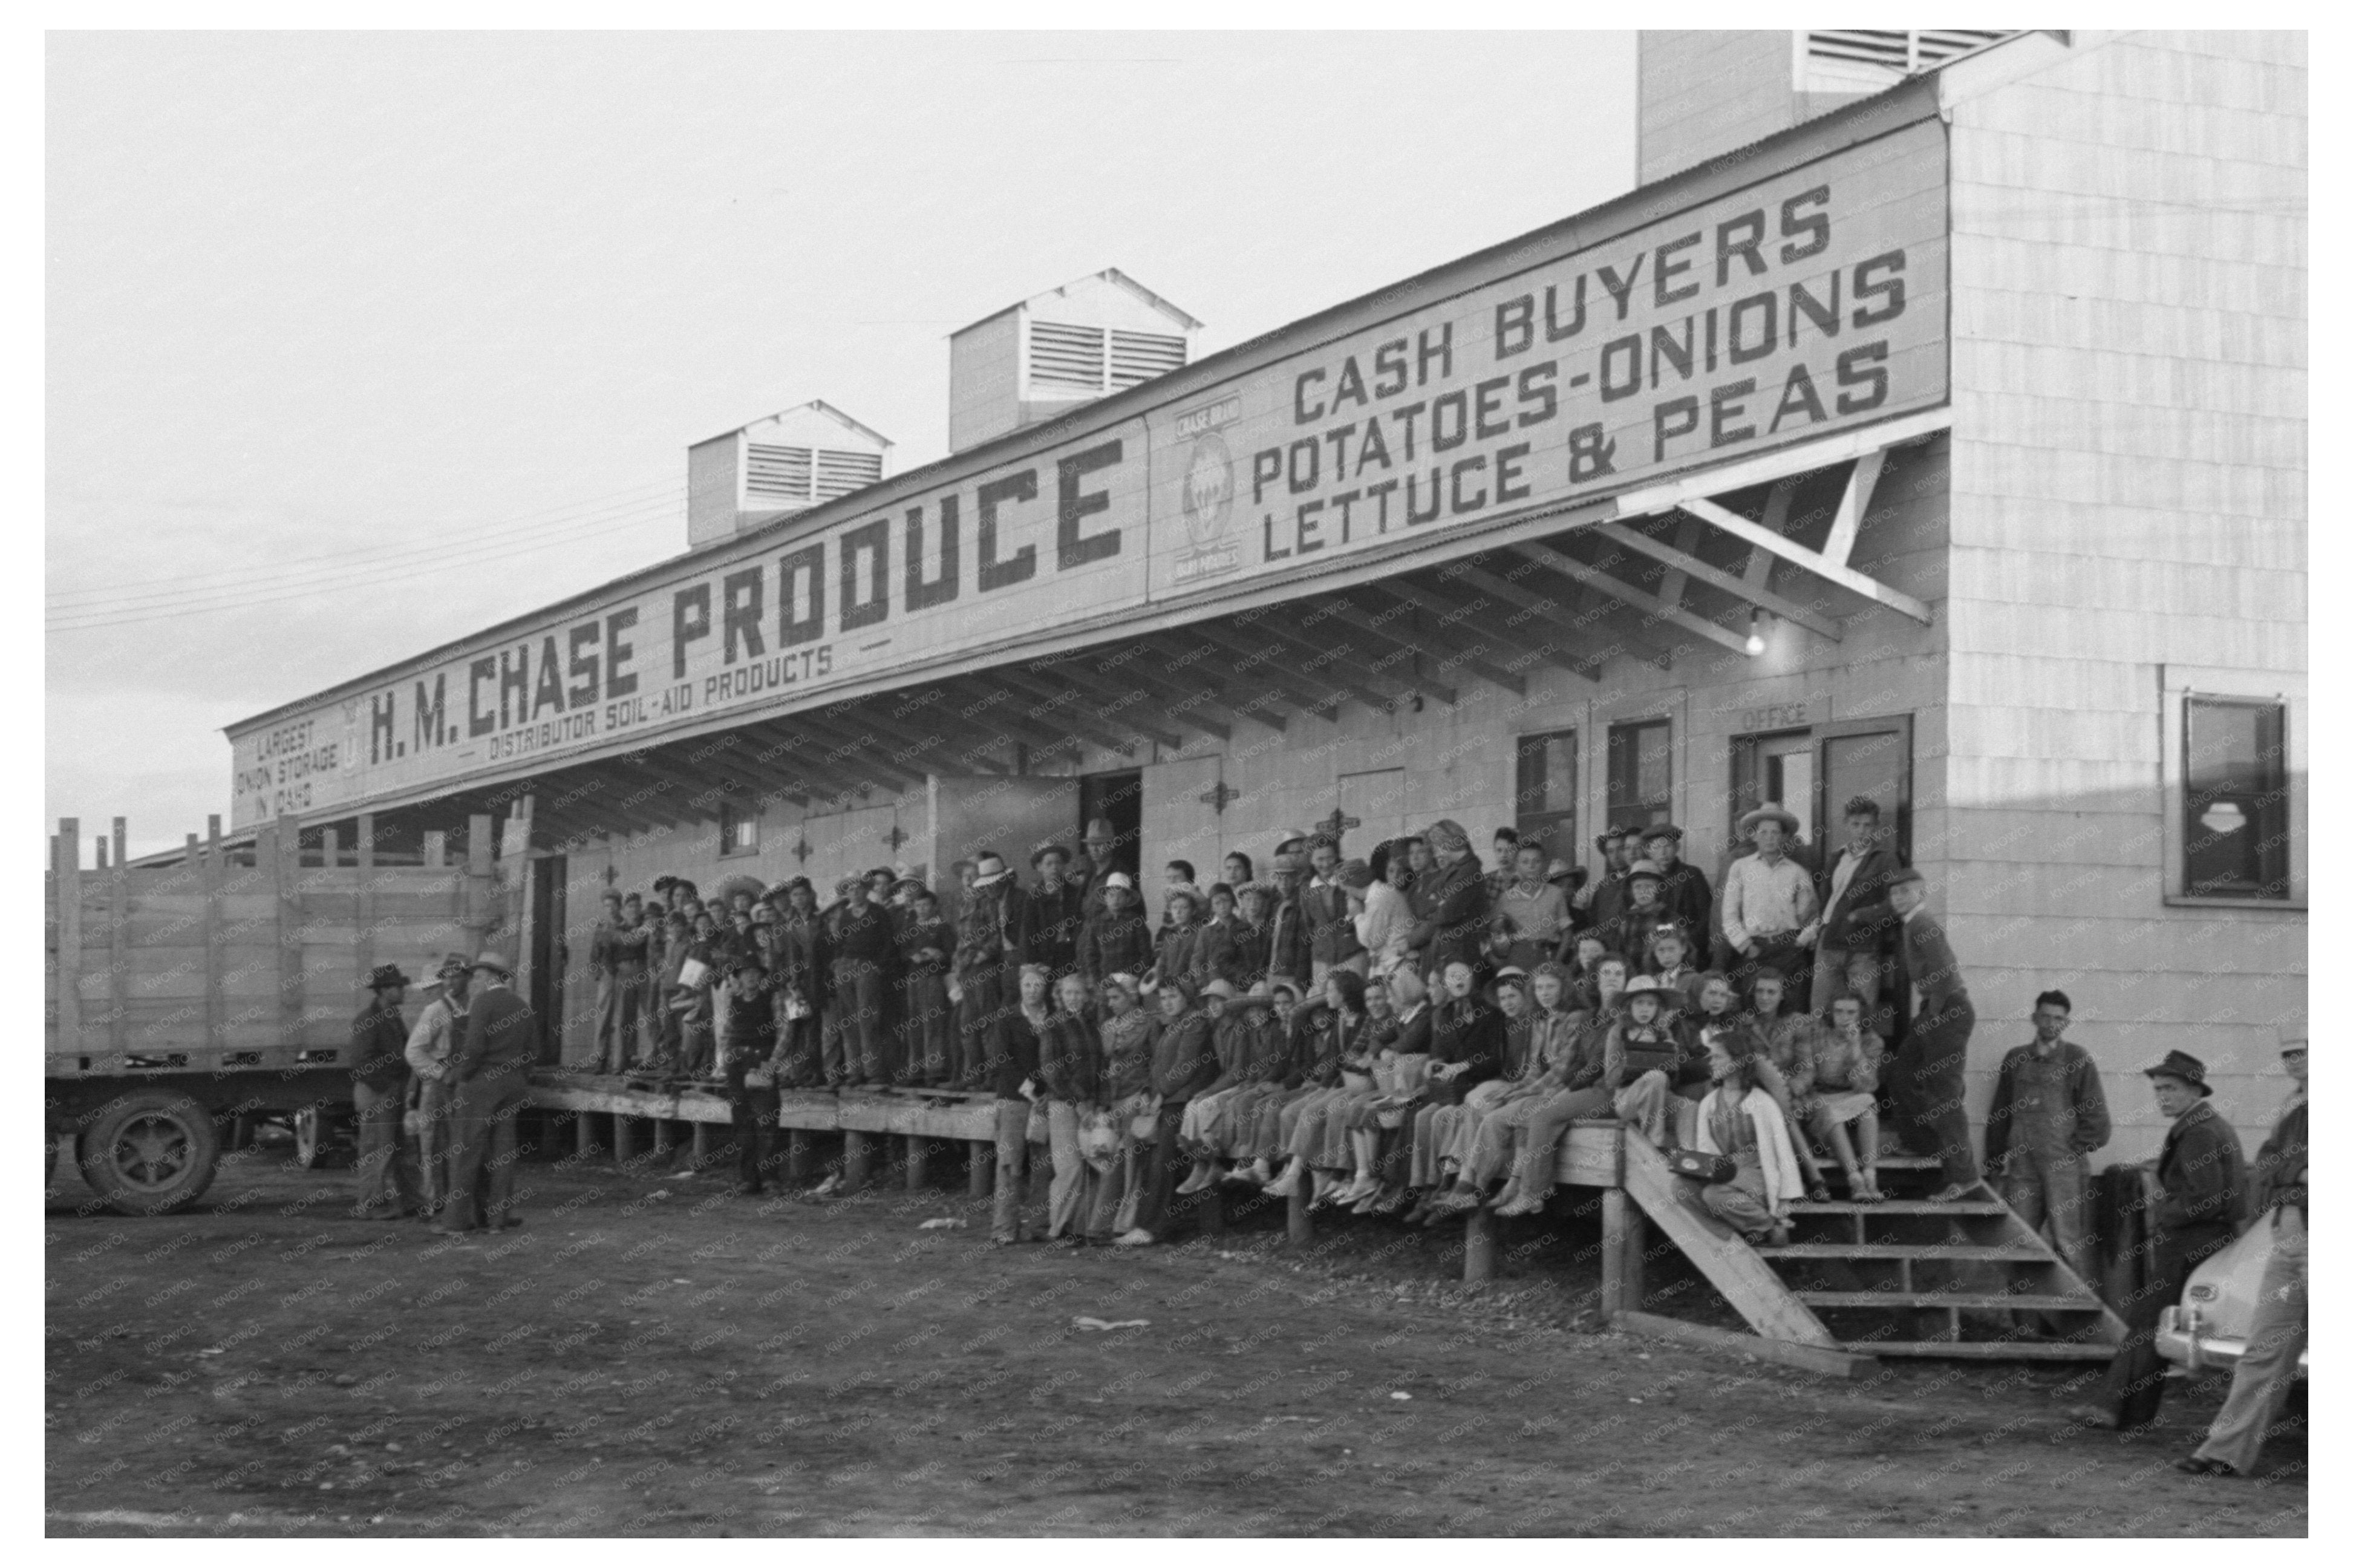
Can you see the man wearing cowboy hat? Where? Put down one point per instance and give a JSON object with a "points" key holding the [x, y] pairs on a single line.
{"points": [[379, 1095], [2282, 1322], [987, 947], [438, 1030], [2201, 1178], [1769, 904], [490, 1068]]}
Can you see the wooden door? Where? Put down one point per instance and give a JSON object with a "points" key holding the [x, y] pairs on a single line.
{"points": [[1871, 757], [1372, 809], [1182, 820]]}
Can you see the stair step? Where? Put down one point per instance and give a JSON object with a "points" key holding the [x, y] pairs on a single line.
{"points": [[1980, 1301], [1933, 1252], [1982, 1350], [1903, 1206]]}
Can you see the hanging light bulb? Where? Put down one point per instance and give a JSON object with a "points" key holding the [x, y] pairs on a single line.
{"points": [[1755, 633]]}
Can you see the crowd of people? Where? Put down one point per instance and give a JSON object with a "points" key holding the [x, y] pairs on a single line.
{"points": [[1410, 1034]]}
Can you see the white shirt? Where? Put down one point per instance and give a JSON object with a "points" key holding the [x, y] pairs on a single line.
{"points": [[1766, 900], [429, 1042], [1386, 923]]}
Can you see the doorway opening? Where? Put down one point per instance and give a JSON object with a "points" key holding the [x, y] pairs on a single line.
{"points": [[1118, 797]]}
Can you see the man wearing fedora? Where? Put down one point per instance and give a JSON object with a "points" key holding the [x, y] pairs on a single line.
{"points": [[1923, 1077], [1053, 914], [489, 1068], [1769, 904], [987, 947], [1684, 888], [437, 1031], [2200, 1180], [2275, 1338], [1098, 845], [379, 1095]]}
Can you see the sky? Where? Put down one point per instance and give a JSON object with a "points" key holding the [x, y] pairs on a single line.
{"points": [[357, 343]]}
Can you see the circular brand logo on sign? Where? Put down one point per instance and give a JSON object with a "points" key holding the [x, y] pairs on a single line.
{"points": [[1208, 491]]}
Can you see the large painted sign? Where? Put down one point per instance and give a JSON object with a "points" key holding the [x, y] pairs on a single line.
{"points": [[1809, 302]]}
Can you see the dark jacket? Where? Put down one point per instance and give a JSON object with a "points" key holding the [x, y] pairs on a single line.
{"points": [[379, 1048], [1413, 1034], [916, 935], [1069, 1059], [751, 1026], [1127, 1055], [501, 1034], [1049, 927], [1113, 944], [2278, 1169], [1184, 1059], [1465, 1030], [2202, 1173], [1014, 1050], [2091, 1103], [867, 936], [1235, 953], [1629, 932], [983, 927], [1176, 952], [1331, 925], [797, 967], [1450, 915], [1287, 942], [1928, 959], [1319, 1041], [1862, 921], [1685, 894]]}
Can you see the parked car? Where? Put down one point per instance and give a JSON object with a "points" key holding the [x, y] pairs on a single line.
{"points": [[2208, 1331]]}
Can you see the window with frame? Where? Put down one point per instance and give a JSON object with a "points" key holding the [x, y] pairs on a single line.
{"points": [[1642, 772], [1544, 802], [739, 830], [2234, 797]]}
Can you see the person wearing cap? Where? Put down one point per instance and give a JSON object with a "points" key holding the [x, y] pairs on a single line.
{"points": [[388, 1186], [2282, 1322], [1531, 920], [1176, 946], [1857, 929], [1768, 903], [1385, 923], [2202, 1183], [750, 1048], [1739, 1119], [1605, 895], [1328, 908], [616, 957], [1098, 847], [428, 1052], [1924, 1079], [2049, 1117], [490, 1068], [1054, 914], [987, 948], [926, 943], [1124, 1092], [1639, 915], [1684, 890], [1288, 940], [1117, 938], [1449, 906], [1238, 950], [1649, 1070], [864, 950], [1184, 1063]]}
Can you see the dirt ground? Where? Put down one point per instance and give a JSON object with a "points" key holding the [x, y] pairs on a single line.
{"points": [[651, 1355]]}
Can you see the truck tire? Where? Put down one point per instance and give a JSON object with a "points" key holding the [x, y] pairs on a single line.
{"points": [[152, 1152]]}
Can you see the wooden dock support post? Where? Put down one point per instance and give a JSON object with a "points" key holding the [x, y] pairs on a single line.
{"points": [[918, 1150], [1479, 1246], [797, 1155], [625, 1138], [703, 1139], [855, 1161], [1299, 1222], [980, 1167], [1622, 1253], [665, 1137], [584, 1137]]}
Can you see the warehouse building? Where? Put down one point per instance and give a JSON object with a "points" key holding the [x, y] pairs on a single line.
{"points": [[1928, 424]]}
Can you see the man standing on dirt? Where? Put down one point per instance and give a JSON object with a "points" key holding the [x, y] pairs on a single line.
{"points": [[438, 1029], [2048, 1118], [379, 1095], [490, 1070]]}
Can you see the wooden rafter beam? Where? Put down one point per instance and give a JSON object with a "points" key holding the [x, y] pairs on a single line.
{"points": [[1574, 654], [1256, 698], [1789, 550], [1270, 661], [1654, 610], [779, 762], [1199, 700], [1356, 653], [1002, 709], [854, 754], [1131, 707], [926, 728], [1453, 652], [1069, 705], [1676, 557], [1584, 606]]}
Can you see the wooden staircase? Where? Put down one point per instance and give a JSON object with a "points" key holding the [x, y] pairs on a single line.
{"points": [[1902, 1277]]}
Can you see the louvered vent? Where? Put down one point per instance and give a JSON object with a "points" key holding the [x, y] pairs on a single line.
{"points": [[1901, 51], [1066, 356], [1138, 357], [839, 473], [780, 471]]}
